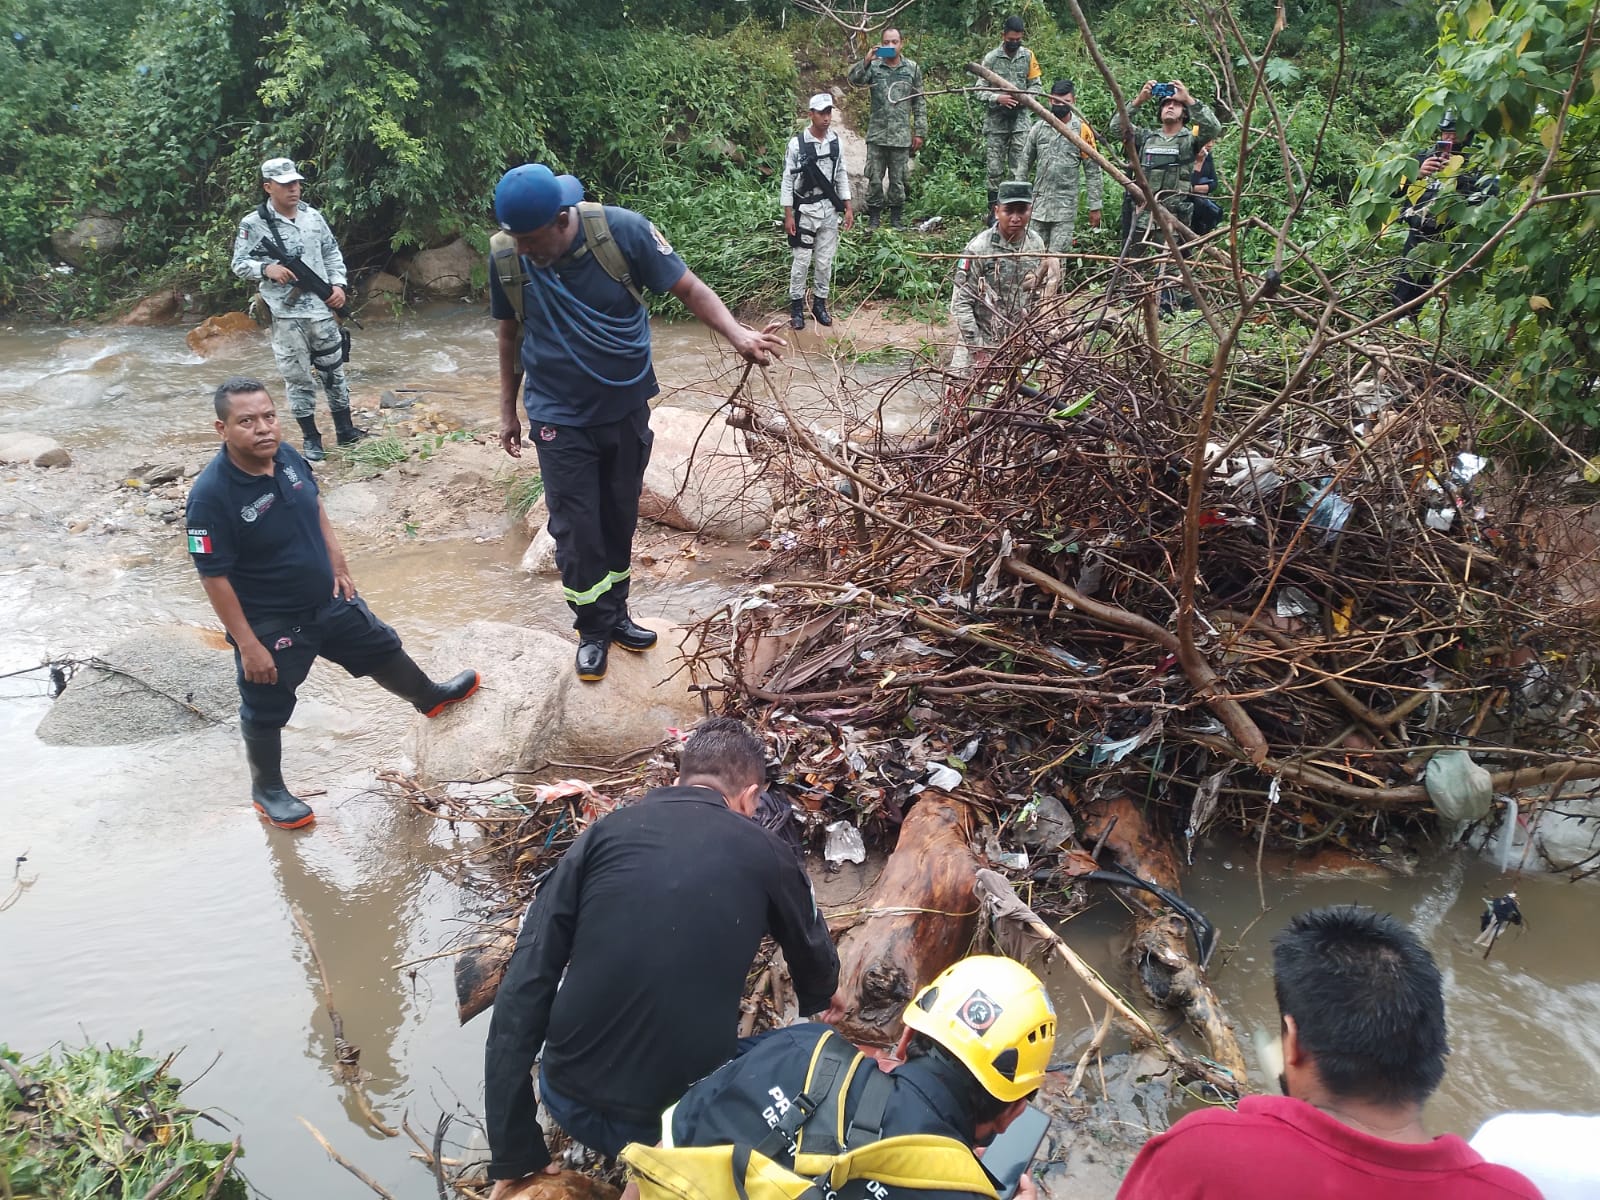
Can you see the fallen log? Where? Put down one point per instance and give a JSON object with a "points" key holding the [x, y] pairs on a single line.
{"points": [[1166, 970], [920, 916], [480, 967]]}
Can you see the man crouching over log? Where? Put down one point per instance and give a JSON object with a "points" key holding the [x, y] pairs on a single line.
{"points": [[1362, 1010], [976, 1047], [655, 915]]}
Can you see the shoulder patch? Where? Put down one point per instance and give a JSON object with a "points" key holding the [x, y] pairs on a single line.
{"points": [[661, 242], [1033, 66]]}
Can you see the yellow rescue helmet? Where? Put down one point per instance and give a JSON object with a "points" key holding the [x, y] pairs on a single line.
{"points": [[995, 1017]]}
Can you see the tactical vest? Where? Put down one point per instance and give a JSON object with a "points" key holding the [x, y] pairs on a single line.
{"points": [[827, 159]]}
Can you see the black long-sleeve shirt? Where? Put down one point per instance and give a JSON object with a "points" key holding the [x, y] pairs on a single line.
{"points": [[655, 914]]}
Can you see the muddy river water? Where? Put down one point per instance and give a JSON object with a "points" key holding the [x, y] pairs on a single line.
{"points": [[154, 904]]}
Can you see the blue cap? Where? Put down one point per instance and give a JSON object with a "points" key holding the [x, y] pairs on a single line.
{"points": [[529, 197]]}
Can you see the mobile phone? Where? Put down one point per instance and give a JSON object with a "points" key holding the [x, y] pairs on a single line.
{"points": [[885, 51], [1011, 1153], [1441, 149]]}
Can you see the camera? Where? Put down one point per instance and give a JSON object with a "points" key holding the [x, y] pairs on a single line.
{"points": [[1441, 149], [1164, 91]]}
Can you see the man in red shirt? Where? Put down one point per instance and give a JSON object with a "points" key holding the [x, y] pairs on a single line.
{"points": [[1363, 1035]]}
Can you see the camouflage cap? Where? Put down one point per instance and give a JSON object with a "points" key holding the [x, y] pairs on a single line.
{"points": [[1016, 191]]}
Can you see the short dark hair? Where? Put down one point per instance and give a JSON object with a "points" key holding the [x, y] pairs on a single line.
{"points": [[234, 385], [976, 1100], [1015, 25], [1367, 1003], [724, 749], [1063, 87]]}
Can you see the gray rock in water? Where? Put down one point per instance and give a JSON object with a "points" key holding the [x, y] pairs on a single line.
{"points": [[533, 709], [86, 238], [165, 680], [701, 477], [445, 271], [34, 448]]}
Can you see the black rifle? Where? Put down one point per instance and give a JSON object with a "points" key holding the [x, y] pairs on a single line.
{"points": [[305, 279]]}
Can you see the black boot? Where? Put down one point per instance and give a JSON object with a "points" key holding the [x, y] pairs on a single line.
{"points": [[819, 310], [897, 217], [631, 635], [345, 427], [797, 313], [592, 653], [313, 439], [874, 218], [400, 674], [263, 747]]}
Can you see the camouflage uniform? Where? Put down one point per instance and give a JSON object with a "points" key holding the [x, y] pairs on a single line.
{"points": [[305, 337], [1006, 129], [1167, 159], [1055, 190], [993, 295], [814, 215], [899, 113]]}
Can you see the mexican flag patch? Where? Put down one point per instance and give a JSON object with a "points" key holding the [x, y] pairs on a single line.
{"points": [[199, 542]]}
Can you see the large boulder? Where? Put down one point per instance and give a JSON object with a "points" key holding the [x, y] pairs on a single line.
{"points": [[152, 684], [35, 448], [701, 477], [87, 238], [158, 308], [533, 709], [445, 271], [218, 333]]}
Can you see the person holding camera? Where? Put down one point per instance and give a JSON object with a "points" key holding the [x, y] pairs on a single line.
{"points": [[1442, 168], [1167, 152], [815, 190], [897, 127]]}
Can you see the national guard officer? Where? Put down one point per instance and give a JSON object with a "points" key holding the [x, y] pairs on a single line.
{"points": [[815, 190], [896, 128], [306, 340], [277, 578], [1000, 278], [1006, 122], [1054, 163]]}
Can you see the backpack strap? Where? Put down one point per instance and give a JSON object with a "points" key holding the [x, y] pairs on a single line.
{"points": [[921, 1161], [597, 240], [507, 265], [832, 1063]]}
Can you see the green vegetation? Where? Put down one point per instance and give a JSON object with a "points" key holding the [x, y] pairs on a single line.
{"points": [[522, 493], [104, 1121], [404, 112], [374, 454]]}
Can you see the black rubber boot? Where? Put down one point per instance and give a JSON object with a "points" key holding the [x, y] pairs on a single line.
{"points": [[592, 653], [313, 439], [874, 218], [400, 674], [345, 427], [797, 314], [631, 635], [819, 310], [897, 218], [263, 747]]}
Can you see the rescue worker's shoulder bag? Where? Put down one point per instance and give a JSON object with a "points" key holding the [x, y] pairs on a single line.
{"points": [[597, 240], [826, 1151]]}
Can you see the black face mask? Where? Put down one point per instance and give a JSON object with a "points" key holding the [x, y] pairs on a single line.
{"points": [[1061, 110]]}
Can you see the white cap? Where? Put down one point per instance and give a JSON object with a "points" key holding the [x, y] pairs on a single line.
{"points": [[821, 102], [280, 170]]}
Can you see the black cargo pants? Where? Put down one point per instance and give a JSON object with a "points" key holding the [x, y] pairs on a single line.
{"points": [[592, 478]]}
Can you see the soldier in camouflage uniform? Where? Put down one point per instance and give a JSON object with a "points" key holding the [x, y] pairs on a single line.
{"points": [[897, 126], [1168, 153], [306, 341], [1006, 123], [1000, 277], [1058, 163]]}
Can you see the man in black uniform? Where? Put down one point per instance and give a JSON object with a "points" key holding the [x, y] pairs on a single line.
{"points": [[977, 1044], [574, 338], [1445, 178], [275, 575], [655, 915]]}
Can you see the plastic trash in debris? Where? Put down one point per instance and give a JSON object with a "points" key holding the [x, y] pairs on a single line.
{"points": [[1012, 860], [1460, 789], [1440, 518], [1293, 602], [1467, 467], [930, 225], [943, 777], [844, 844], [1329, 511]]}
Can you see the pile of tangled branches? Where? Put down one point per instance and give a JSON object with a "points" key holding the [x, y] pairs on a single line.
{"points": [[1249, 591]]}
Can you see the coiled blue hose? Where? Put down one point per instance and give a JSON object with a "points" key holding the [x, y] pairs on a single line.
{"points": [[572, 321]]}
